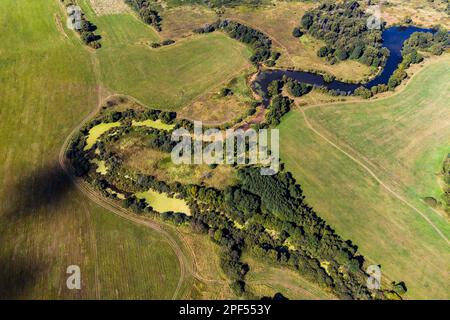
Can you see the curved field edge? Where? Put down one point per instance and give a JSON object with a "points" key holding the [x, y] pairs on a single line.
{"points": [[387, 231], [202, 276], [40, 114], [168, 77], [46, 225]]}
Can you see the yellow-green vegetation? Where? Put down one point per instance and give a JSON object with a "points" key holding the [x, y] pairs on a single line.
{"points": [[277, 21], [265, 279], [157, 124], [101, 166], [45, 223], [96, 131], [166, 77], [402, 140], [120, 29], [163, 203], [140, 158], [176, 74]]}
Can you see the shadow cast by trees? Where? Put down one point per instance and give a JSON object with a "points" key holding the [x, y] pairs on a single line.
{"points": [[39, 193], [36, 195], [17, 275]]}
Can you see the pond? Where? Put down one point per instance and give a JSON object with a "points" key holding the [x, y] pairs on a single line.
{"points": [[393, 39]]}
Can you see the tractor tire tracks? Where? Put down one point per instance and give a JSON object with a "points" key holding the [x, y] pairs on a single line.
{"points": [[374, 176]]}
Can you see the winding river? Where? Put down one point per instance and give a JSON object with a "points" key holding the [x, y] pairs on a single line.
{"points": [[393, 39]]}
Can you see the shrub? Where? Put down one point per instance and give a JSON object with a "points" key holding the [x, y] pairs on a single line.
{"points": [[363, 92], [297, 32]]}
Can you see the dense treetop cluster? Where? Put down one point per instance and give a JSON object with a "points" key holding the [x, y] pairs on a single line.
{"points": [[343, 27]]}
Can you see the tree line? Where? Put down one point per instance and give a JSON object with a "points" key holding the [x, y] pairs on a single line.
{"points": [[258, 41]]}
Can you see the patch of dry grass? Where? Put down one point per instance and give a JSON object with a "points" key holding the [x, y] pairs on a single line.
{"points": [[212, 110], [422, 12], [216, 109], [317, 97], [142, 159], [179, 22], [264, 279], [106, 7]]}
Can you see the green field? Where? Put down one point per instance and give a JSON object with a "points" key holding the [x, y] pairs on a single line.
{"points": [[50, 82], [47, 87], [167, 77], [402, 140]]}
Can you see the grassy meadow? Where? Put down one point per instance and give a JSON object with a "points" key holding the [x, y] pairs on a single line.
{"points": [[226, 108], [178, 22], [403, 140], [48, 86], [424, 13], [166, 77]]}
